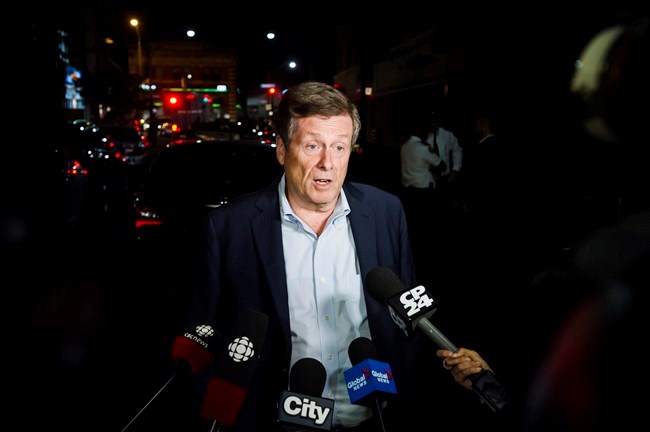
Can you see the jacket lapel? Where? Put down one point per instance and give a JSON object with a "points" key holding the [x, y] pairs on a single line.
{"points": [[267, 234]]}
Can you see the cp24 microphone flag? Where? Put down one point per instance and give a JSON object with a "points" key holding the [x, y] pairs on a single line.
{"points": [[302, 407], [411, 309], [234, 368]]}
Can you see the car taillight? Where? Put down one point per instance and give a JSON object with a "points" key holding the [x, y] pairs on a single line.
{"points": [[146, 217], [75, 168]]}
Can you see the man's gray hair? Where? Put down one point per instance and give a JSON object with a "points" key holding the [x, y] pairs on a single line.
{"points": [[313, 98]]}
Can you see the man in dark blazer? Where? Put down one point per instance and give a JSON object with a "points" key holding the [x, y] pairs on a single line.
{"points": [[253, 252]]}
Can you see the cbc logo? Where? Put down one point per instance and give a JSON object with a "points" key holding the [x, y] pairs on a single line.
{"points": [[241, 349], [415, 299], [204, 330]]}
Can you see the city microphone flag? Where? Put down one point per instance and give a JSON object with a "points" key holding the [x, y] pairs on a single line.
{"points": [[368, 380]]}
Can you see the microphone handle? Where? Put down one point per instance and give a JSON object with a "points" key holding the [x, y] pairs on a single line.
{"points": [[150, 400], [377, 412], [489, 390], [484, 384], [435, 335]]}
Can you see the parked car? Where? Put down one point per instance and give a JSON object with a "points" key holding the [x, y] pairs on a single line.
{"points": [[131, 143], [191, 177], [92, 178]]}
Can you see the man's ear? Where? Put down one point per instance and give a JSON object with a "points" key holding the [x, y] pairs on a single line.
{"points": [[280, 150]]}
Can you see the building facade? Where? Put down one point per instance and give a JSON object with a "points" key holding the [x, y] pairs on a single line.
{"points": [[187, 81]]}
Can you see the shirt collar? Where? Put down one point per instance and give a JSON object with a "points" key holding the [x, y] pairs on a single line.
{"points": [[342, 206]]}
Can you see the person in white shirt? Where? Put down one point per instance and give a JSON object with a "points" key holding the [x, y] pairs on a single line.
{"points": [[444, 144]]}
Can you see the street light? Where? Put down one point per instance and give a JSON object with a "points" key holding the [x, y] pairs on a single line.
{"points": [[280, 71], [136, 24]]}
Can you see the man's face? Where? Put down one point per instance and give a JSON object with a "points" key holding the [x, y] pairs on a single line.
{"points": [[316, 161]]}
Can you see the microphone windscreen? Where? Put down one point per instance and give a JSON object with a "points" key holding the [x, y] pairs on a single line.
{"points": [[307, 377], [223, 401], [382, 283], [361, 349], [195, 347], [234, 368], [185, 350]]}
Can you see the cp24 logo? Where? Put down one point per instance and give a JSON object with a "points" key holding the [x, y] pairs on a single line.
{"points": [[415, 300]]}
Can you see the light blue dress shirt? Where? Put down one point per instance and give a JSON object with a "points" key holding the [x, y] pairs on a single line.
{"points": [[326, 303]]}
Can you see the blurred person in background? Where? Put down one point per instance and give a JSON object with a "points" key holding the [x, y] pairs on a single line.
{"points": [[585, 382], [443, 218], [444, 144], [418, 162], [489, 242]]}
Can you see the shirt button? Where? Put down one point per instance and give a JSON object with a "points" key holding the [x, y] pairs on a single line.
{"points": [[330, 357], [326, 317], [321, 279]]}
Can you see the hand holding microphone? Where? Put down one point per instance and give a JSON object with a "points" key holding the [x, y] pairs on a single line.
{"points": [[411, 309], [463, 364]]}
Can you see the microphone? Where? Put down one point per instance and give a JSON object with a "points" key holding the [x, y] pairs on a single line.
{"points": [[411, 309], [234, 367], [192, 349], [301, 407], [369, 380], [191, 353]]}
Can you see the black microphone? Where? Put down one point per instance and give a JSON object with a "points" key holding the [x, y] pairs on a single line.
{"points": [[301, 407], [191, 352], [369, 381], [234, 367], [411, 309]]}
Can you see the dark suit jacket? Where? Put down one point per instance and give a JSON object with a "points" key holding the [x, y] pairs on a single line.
{"points": [[242, 266]]}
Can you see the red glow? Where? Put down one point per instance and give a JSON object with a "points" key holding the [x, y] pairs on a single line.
{"points": [[147, 222]]}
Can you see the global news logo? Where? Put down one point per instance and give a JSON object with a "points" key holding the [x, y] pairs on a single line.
{"points": [[367, 378]]}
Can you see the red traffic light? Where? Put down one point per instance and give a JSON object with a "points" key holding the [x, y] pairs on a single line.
{"points": [[173, 100], [271, 91]]}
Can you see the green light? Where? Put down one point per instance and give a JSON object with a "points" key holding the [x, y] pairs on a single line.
{"points": [[219, 89]]}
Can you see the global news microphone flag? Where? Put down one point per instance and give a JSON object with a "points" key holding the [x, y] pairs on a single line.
{"points": [[369, 379], [234, 368]]}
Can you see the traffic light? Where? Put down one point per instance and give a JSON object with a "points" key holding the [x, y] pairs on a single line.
{"points": [[271, 91], [173, 100]]}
